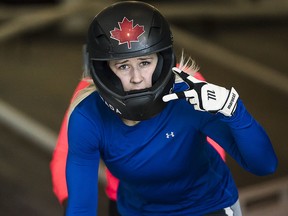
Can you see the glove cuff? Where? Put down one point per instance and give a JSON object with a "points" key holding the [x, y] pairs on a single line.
{"points": [[230, 104]]}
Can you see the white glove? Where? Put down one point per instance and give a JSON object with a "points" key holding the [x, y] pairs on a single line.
{"points": [[205, 96]]}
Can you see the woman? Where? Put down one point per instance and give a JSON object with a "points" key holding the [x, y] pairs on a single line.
{"points": [[58, 162], [151, 131]]}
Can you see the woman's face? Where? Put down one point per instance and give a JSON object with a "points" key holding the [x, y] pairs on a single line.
{"points": [[135, 73]]}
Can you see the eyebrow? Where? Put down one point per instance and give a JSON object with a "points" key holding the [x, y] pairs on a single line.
{"points": [[145, 58], [121, 62], [140, 58]]}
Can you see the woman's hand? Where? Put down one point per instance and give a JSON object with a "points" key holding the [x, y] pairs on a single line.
{"points": [[205, 96]]}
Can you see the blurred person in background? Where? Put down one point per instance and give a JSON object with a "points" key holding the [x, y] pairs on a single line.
{"points": [[150, 128]]}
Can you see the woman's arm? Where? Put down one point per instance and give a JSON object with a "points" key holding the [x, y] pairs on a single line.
{"points": [[82, 182], [245, 140], [82, 165], [231, 126]]}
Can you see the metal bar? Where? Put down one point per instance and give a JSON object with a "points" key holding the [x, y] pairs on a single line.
{"points": [[270, 198], [39, 17], [29, 128], [43, 17], [240, 64], [220, 11], [34, 131]]}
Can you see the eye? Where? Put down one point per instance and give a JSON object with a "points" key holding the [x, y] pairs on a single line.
{"points": [[123, 67], [145, 63]]}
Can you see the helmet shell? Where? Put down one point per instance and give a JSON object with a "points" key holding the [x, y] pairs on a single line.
{"points": [[126, 30], [108, 33]]}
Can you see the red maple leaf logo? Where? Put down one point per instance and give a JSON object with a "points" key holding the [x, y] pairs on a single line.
{"points": [[127, 33]]}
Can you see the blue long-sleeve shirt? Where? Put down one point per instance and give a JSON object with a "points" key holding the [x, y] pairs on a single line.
{"points": [[164, 164]]}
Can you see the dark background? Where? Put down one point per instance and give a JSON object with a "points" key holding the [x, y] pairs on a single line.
{"points": [[41, 65]]}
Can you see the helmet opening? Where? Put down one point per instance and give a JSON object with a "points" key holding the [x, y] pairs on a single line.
{"points": [[109, 79]]}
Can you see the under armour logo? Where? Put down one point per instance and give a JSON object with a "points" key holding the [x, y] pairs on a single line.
{"points": [[211, 95], [168, 135]]}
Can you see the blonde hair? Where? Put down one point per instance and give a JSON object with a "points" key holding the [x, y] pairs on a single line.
{"points": [[186, 64], [82, 94]]}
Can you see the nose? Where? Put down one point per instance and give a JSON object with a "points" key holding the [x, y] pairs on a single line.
{"points": [[136, 76]]}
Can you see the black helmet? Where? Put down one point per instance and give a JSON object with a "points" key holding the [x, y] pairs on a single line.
{"points": [[108, 39]]}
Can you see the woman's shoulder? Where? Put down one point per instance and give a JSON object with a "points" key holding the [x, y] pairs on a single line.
{"points": [[91, 106]]}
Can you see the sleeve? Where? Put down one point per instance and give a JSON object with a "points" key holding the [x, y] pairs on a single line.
{"points": [[217, 147], [244, 139], [82, 166], [58, 164], [112, 185], [199, 76], [59, 156]]}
